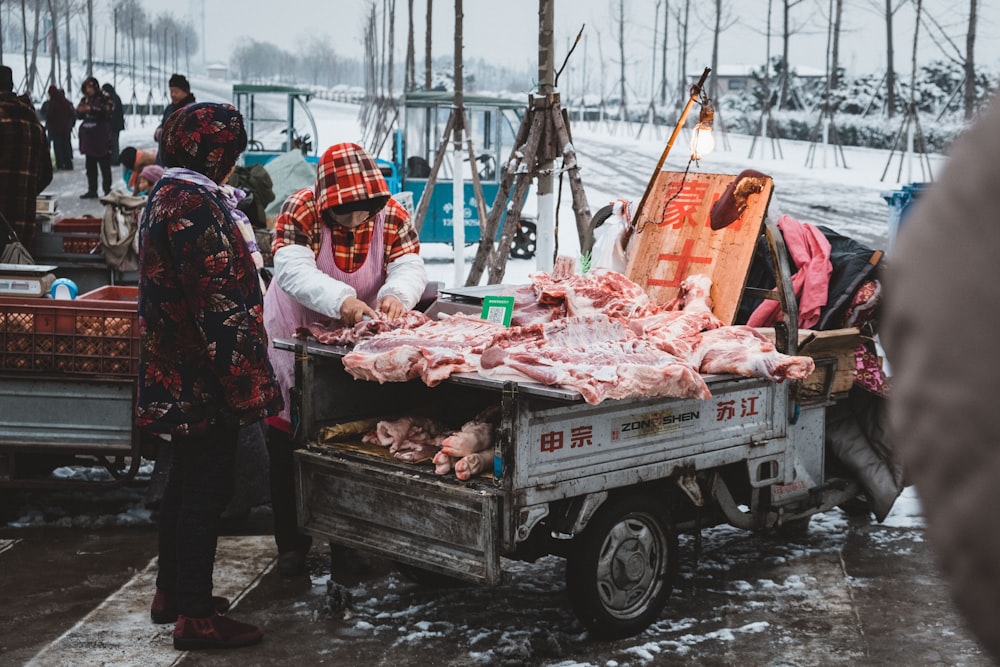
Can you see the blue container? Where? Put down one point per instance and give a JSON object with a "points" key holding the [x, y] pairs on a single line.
{"points": [[899, 202]]}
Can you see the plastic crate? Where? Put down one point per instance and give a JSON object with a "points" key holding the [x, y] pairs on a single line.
{"points": [[124, 293], [71, 236], [85, 336]]}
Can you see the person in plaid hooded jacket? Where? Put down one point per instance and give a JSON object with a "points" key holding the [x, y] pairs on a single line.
{"points": [[344, 249]]}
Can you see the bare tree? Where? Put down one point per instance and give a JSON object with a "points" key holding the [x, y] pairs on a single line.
{"points": [[623, 106], [952, 51], [722, 21], [788, 28], [683, 21], [887, 10], [427, 48], [392, 46], [54, 40], [663, 53], [32, 70], [837, 23], [411, 75], [90, 37]]}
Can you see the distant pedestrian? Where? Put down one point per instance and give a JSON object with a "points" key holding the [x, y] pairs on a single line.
{"points": [[180, 96], [203, 362], [95, 111], [25, 163], [117, 120], [60, 119]]}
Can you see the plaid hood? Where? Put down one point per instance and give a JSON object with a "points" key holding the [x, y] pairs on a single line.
{"points": [[347, 173]]}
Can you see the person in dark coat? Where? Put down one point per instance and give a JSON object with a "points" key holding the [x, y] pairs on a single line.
{"points": [[95, 110], [941, 303], [117, 121], [60, 119], [180, 96], [25, 163], [203, 361]]}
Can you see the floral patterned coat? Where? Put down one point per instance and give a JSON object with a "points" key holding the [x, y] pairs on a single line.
{"points": [[203, 358]]}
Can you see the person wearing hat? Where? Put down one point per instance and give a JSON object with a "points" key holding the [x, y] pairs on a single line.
{"points": [[25, 163], [344, 249], [95, 111], [148, 178], [203, 362], [60, 118], [180, 96]]}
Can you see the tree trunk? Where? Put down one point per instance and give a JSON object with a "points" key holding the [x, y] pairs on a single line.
{"points": [[69, 53], [90, 37], [970, 61], [427, 48], [663, 54], [835, 48], [682, 82], [785, 39], [890, 70], [623, 109], [30, 86], [392, 46], [411, 72], [54, 55], [713, 87]]}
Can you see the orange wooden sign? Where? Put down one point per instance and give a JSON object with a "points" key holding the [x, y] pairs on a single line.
{"points": [[674, 239]]}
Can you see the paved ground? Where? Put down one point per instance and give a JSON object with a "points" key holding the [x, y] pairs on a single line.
{"points": [[848, 592]]}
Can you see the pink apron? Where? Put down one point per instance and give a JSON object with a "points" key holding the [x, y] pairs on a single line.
{"points": [[283, 315]]}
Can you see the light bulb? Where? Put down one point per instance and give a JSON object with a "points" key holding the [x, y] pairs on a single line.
{"points": [[702, 141]]}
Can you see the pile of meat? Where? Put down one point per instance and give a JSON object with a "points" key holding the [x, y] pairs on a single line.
{"points": [[597, 333], [468, 451]]}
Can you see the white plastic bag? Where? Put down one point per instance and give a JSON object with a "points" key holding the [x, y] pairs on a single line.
{"points": [[607, 252]]}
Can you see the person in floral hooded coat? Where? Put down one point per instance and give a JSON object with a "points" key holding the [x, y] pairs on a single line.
{"points": [[203, 364]]}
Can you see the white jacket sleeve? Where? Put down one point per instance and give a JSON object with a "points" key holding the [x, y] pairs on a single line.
{"points": [[296, 273], [406, 279]]}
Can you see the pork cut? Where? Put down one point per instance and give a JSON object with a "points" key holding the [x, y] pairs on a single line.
{"points": [[334, 332], [743, 350], [431, 351]]}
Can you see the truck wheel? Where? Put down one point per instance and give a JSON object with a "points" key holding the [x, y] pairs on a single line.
{"points": [[619, 578], [599, 219], [525, 240]]}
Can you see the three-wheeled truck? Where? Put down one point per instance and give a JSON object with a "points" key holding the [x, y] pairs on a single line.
{"points": [[607, 486]]}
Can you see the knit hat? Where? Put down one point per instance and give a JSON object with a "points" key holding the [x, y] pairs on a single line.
{"points": [[53, 91], [733, 201], [6, 79], [152, 173], [180, 81], [205, 137]]}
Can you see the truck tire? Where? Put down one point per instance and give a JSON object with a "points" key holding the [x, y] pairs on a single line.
{"points": [[525, 241], [620, 576], [599, 219]]}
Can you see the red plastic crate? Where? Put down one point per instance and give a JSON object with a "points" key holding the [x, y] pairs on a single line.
{"points": [[79, 235], [126, 293], [84, 336]]}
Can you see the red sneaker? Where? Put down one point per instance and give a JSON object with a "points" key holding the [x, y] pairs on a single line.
{"points": [[164, 607], [215, 631]]}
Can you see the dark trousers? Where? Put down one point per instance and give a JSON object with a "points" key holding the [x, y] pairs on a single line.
{"points": [[199, 485], [62, 146], [115, 150], [104, 162], [286, 524]]}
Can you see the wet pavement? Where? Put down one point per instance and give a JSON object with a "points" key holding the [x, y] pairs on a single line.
{"points": [[848, 591]]}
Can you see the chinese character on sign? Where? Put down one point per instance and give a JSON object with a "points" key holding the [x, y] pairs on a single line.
{"points": [[685, 204], [552, 441], [748, 406], [726, 410], [581, 436]]}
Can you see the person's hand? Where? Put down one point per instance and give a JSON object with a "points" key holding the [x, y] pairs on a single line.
{"points": [[391, 306], [353, 310]]}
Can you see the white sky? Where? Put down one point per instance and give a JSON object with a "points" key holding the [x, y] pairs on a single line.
{"points": [[506, 32]]}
